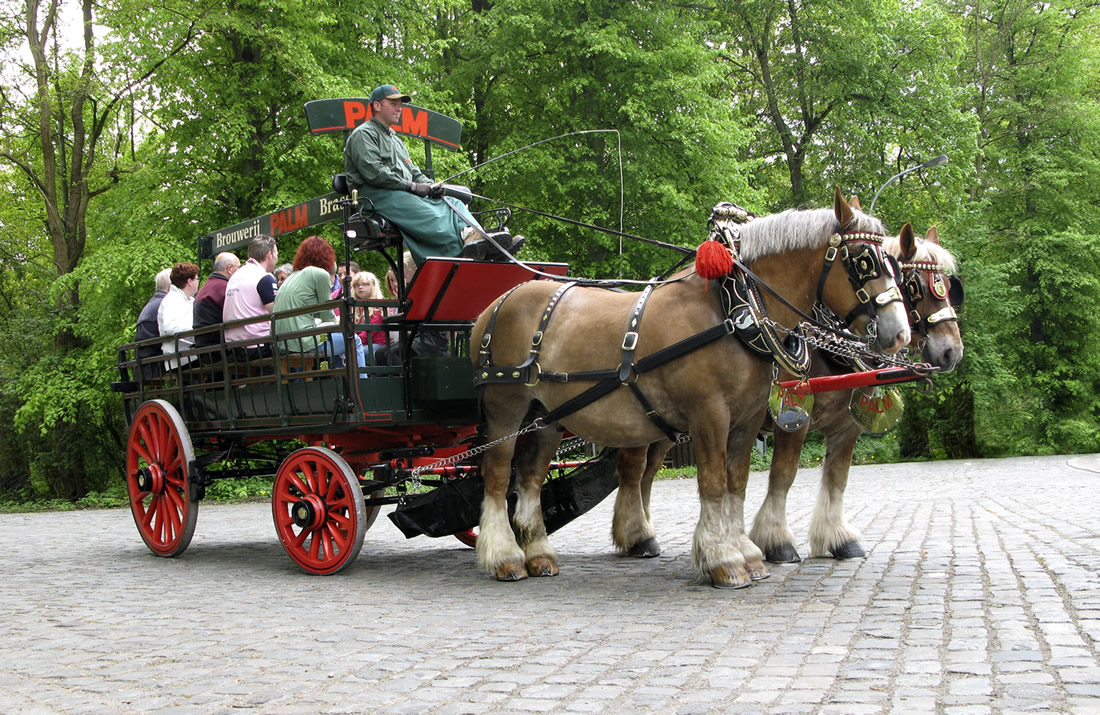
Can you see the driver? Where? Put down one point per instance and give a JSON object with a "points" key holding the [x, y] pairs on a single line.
{"points": [[378, 165]]}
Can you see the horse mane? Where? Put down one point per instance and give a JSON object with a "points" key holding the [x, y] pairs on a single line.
{"points": [[927, 252], [797, 229]]}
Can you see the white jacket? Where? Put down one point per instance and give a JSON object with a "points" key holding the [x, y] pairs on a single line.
{"points": [[176, 315]]}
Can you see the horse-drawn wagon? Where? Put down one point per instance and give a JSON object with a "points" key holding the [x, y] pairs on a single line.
{"points": [[530, 355], [341, 441]]}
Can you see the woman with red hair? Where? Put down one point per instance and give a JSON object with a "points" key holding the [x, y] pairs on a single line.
{"points": [[311, 284]]}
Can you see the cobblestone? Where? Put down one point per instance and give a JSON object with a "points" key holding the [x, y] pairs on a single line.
{"points": [[980, 593]]}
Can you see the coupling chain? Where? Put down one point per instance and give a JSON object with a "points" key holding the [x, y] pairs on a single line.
{"points": [[415, 472]]}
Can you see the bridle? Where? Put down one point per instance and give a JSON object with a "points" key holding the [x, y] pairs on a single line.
{"points": [[922, 278], [863, 267]]}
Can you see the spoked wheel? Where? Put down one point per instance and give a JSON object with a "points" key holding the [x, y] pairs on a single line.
{"points": [[158, 456], [317, 505], [468, 537]]}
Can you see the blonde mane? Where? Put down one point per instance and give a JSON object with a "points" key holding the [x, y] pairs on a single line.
{"points": [[794, 230]]}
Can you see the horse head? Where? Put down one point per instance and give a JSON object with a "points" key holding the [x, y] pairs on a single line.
{"points": [[931, 292], [866, 294]]}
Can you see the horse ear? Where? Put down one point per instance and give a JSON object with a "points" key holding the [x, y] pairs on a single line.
{"points": [[854, 203], [841, 209], [908, 242], [933, 236]]}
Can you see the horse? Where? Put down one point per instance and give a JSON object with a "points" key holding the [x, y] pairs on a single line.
{"points": [[930, 293], [693, 376]]}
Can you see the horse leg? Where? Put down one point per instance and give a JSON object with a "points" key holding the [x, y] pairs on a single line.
{"points": [[713, 551], [497, 550], [737, 480], [770, 530], [532, 463], [631, 529], [829, 532]]}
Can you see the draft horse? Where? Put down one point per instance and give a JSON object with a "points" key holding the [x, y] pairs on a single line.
{"points": [[677, 369], [931, 294]]}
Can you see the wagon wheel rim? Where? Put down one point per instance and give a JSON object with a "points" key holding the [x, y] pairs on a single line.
{"points": [[317, 506], [158, 458]]}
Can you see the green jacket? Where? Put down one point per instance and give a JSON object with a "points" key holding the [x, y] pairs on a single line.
{"points": [[309, 286], [375, 156]]}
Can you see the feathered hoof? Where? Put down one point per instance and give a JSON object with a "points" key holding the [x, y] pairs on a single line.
{"points": [[757, 571], [782, 554], [729, 577], [542, 566], [511, 572], [647, 549], [850, 550]]}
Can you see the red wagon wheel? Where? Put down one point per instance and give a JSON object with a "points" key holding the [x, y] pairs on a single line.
{"points": [[317, 505], [468, 537], [158, 455]]}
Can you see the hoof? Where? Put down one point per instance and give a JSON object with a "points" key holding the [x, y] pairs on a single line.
{"points": [[541, 566], [757, 571], [511, 572], [647, 549], [729, 577], [851, 550], [782, 554]]}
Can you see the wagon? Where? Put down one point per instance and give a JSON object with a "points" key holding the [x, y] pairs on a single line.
{"points": [[340, 442]]}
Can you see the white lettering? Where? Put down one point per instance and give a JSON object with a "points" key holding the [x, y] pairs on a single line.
{"points": [[221, 240]]}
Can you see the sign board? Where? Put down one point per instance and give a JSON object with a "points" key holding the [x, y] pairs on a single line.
{"points": [[304, 215], [342, 115]]}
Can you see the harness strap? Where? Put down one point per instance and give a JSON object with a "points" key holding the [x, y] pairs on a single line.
{"points": [[630, 340], [528, 372], [609, 379], [485, 353]]}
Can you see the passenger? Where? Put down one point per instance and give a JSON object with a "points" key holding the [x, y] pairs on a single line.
{"points": [[314, 267], [344, 269], [364, 286], [250, 293], [377, 163], [211, 297], [282, 273], [147, 327], [177, 314]]}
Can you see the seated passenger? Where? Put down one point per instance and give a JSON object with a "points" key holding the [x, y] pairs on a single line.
{"points": [[377, 163], [147, 327], [250, 293], [211, 297], [282, 273], [176, 313], [364, 286], [311, 284]]}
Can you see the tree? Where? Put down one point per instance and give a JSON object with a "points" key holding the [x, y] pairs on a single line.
{"points": [[1035, 183]]}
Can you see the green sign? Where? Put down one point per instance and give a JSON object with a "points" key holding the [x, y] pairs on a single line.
{"points": [[304, 215], [343, 115]]}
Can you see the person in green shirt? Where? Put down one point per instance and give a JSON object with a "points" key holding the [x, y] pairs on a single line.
{"points": [[377, 164], [311, 284]]}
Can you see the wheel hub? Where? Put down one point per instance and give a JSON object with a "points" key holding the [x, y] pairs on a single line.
{"points": [[309, 512], [150, 479]]}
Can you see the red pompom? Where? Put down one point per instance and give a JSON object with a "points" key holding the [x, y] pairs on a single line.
{"points": [[713, 260]]}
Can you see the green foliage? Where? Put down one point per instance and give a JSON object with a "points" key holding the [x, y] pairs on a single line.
{"points": [[189, 117]]}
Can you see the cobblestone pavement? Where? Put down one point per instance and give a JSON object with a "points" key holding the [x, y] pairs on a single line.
{"points": [[980, 594]]}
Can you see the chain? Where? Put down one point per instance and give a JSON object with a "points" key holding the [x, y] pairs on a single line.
{"points": [[415, 472], [855, 349]]}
